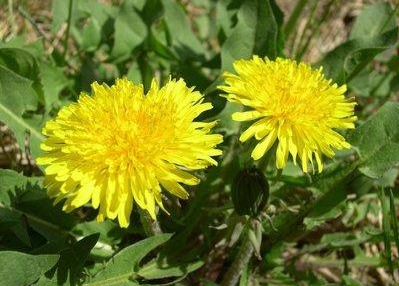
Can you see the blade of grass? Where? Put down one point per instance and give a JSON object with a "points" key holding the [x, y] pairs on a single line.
{"points": [[316, 30], [386, 227], [294, 17], [11, 18], [394, 219], [308, 25]]}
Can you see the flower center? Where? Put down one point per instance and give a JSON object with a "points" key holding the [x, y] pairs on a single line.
{"points": [[296, 102], [140, 134]]}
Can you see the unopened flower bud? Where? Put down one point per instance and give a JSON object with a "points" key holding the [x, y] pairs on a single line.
{"points": [[250, 192]]}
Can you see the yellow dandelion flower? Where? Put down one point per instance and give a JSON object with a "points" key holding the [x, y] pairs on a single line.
{"points": [[294, 105], [120, 146]]}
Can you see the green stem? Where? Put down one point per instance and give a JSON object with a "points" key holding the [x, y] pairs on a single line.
{"points": [[292, 21], [151, 227], [68, 28], [386, 227], [35, 26], [394, 218], [240, 262], [315, 30], [305, 29]]}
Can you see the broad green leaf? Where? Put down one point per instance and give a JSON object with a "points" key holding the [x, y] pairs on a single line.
{"points": [[330, 189], [72, 260], [11, 185], [124, 265], [130, 30], [99, 11], [36, 49], [345, 61], [374, 19], [109, 231], [152, 11], [97, 16], [161, 269], [41, 214], [22, 63], [184, 40], [91, 36], [134, 73], [374, 31], [23, 269], [224, 15], [377, 141], [16, 98], [139, 4], [256, 32]]}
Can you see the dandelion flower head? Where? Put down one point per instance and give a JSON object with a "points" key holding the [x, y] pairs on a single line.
{"points": [[120, 146], [295, 107]]}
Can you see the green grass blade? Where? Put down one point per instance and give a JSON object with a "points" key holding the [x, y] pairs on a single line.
{"points": [[294, 17], [394, 219], [386, 226]]}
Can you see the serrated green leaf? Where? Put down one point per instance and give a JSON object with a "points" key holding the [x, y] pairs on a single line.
{"points": [[54, 81], [110, 234], [377, 141], [23, 269], [26, 204], [124, 265], [10, 184], [16, 98]]}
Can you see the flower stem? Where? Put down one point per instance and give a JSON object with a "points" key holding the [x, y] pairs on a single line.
{"points": [[151, 227], [68, 28], [240, 262]]}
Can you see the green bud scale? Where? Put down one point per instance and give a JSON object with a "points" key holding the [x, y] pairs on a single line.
{"points": [[250, 192]]}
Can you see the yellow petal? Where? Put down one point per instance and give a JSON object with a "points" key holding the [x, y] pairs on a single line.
{"points": [[264, 145]]}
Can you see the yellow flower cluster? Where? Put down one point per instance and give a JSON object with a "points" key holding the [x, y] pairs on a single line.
{"points": [[120, 146], [294, 105]]}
